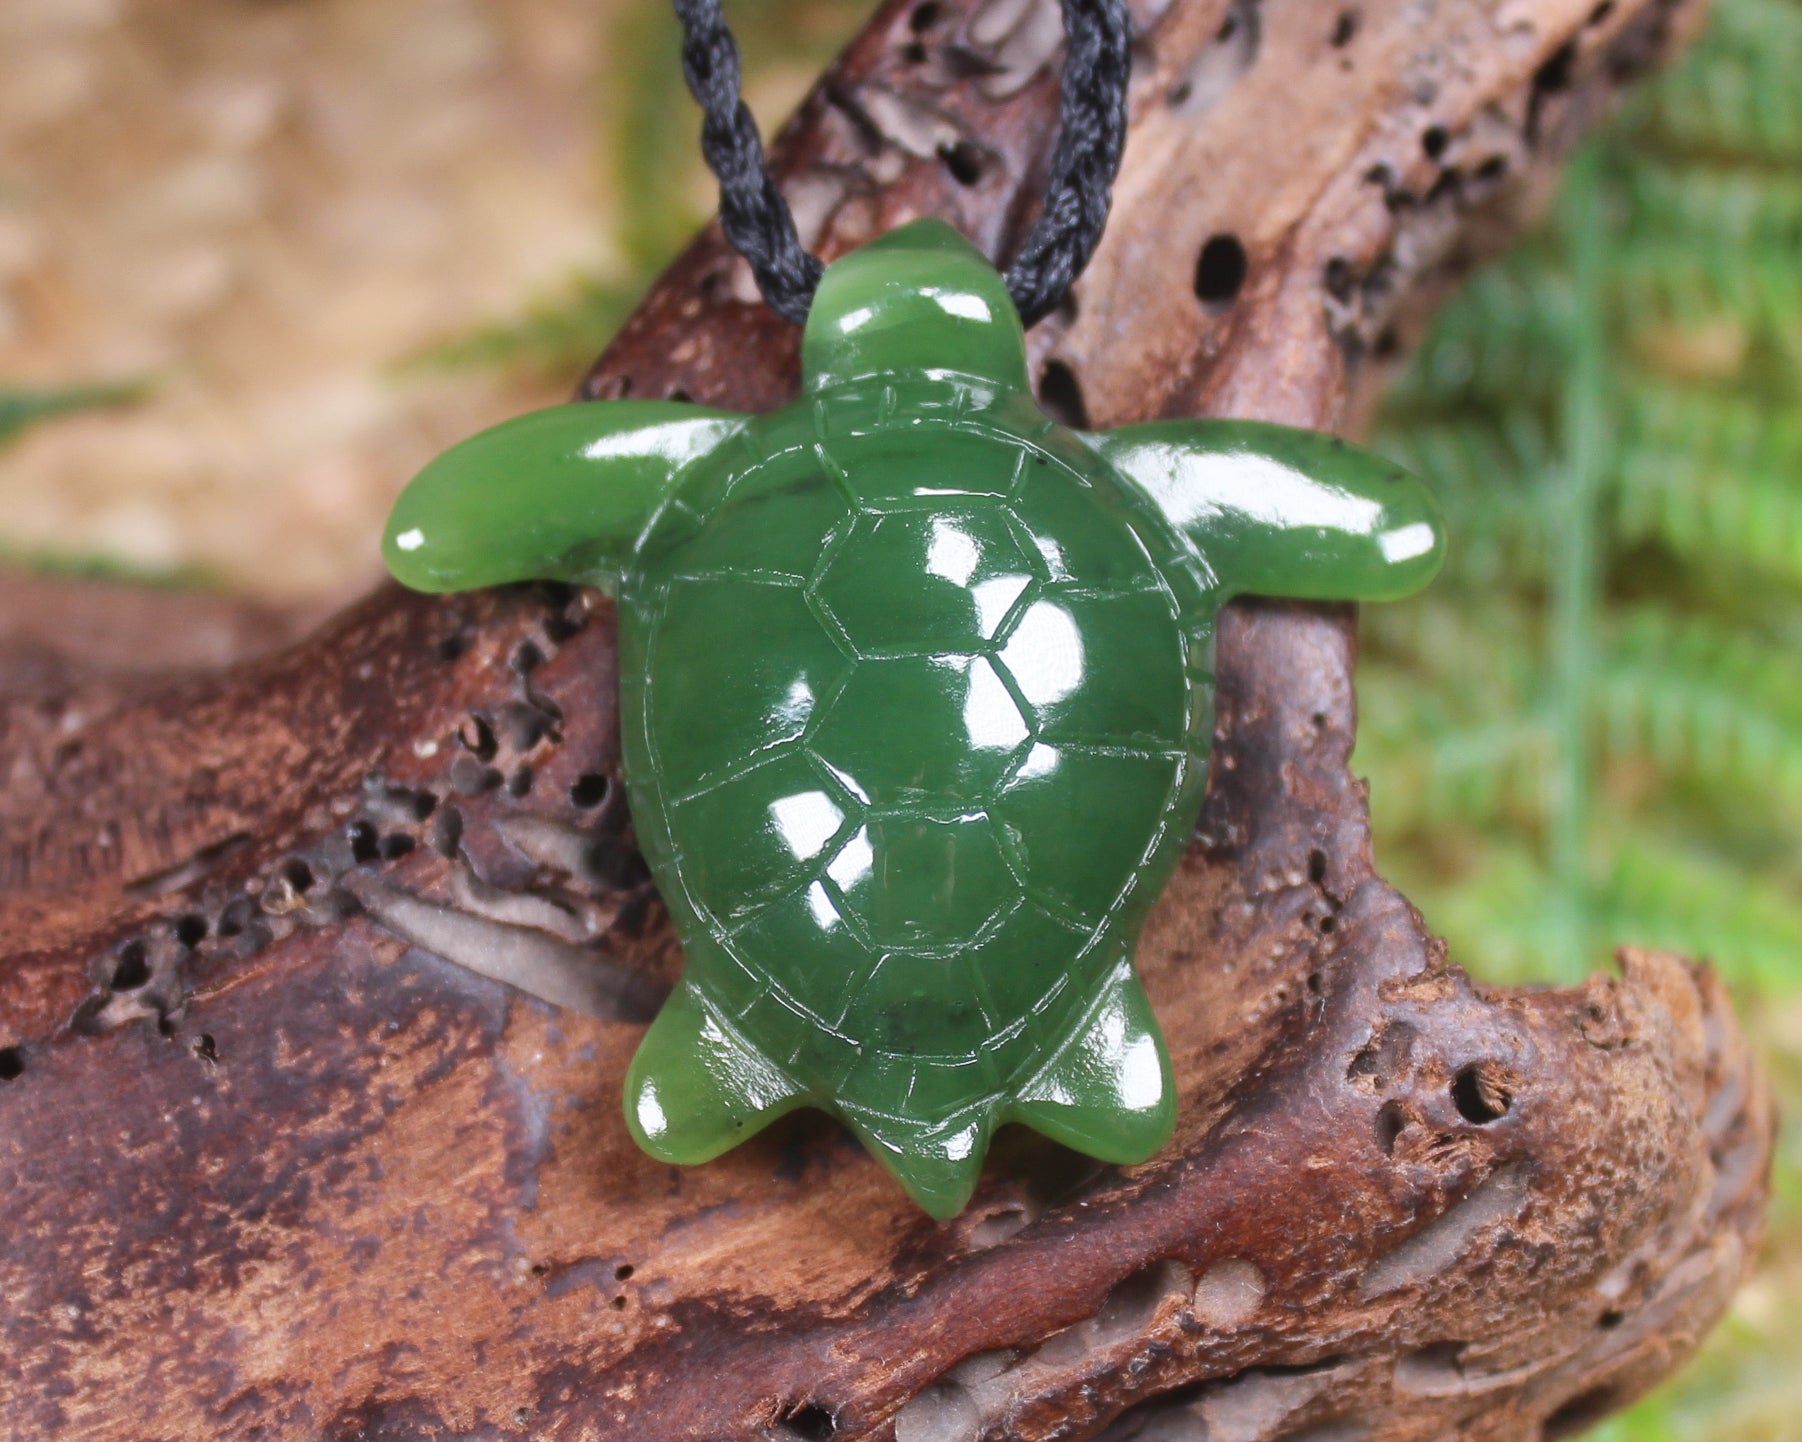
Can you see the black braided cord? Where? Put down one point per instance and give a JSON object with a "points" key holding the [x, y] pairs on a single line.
{"points": [[1092, 133]]}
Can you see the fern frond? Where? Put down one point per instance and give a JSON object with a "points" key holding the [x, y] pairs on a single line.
{"points": [[1716, 479], [1500, 341], [1662, 892], [1665, 277], [1723, 209], [1487, 895], [1453, 717], [1736, 94], [1479, 648], [1656, 892], [1440, 771], [1704, 704]]}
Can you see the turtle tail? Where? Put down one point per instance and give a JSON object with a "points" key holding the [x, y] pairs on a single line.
{"points": [[936, 1162]]}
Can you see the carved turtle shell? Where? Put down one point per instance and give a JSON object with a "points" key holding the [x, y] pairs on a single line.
{"points": [[916, 698]]}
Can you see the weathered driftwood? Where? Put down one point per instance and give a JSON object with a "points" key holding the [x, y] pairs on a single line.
{"points": [[273, 1168]]}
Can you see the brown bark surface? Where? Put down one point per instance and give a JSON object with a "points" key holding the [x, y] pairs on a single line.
{"points": [[279, 1164]]}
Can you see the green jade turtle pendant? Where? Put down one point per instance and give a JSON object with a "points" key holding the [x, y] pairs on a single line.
{"points": [[917, 693]]}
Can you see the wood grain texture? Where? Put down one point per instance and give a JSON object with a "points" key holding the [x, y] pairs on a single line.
{"points": [[276, 1168]]}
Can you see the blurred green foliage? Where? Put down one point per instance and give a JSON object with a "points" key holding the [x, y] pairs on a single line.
{"points": [[22, 408], [650, 131], [1611, 419], [1590, 731]]}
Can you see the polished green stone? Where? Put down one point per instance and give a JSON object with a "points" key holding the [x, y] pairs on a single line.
{"points": [[972, 571], [916, 695]]}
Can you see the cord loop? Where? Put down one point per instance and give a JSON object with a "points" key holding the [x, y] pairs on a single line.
{"points": [[1091, 135]]}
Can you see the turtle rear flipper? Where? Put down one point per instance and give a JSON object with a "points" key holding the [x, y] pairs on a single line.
{"points": [[697, 1088], [1107, 1091], [937, 1161]]}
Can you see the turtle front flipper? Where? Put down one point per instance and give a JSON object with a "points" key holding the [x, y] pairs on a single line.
{"points": [[1107, 1091], [938, 1162], [697, 1088], [556, 495], [1277, 511]]}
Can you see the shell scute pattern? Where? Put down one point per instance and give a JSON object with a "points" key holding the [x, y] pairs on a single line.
{"points": [[1040, 814], [939, 721], [972, 575], [770, 702], [792, 518]]}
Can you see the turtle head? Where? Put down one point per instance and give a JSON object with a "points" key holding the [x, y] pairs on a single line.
{"points": [[918, 298]]}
